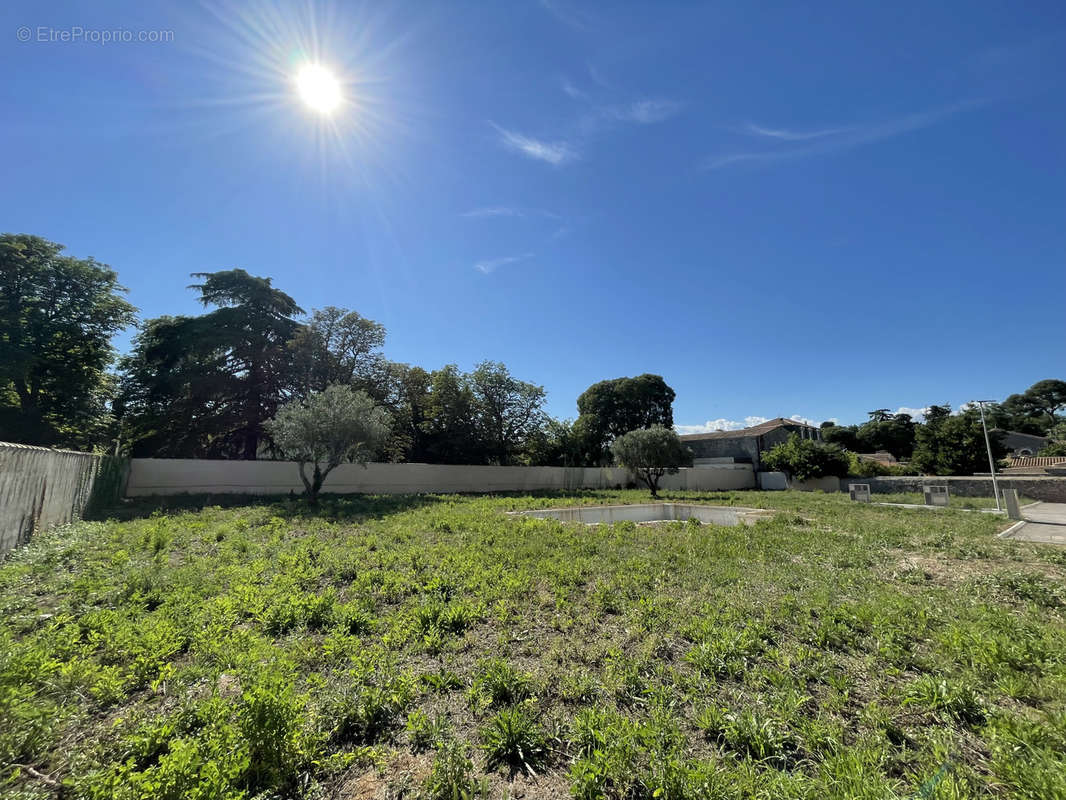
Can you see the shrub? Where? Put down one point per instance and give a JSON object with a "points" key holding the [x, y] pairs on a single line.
{"points": [[803, 459]]}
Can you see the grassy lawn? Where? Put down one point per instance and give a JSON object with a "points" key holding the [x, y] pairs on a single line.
{"points": [[414, 647]]}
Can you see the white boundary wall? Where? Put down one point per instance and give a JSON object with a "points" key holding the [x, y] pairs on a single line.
{"points": [[163, 476], [40, 488]]}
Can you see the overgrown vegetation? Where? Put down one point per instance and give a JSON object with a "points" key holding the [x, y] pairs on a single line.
{"points": [[433, 647], [803, 459]]}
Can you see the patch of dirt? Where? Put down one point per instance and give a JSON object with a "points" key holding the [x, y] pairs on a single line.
{"points": [[948, 571], [403, 770], [942, 570]]}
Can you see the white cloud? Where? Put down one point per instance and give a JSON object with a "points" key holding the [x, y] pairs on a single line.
{"points": [[831, 140], [722, 424], [645, 112], [917, 413], [554, 153], [490, 265]]}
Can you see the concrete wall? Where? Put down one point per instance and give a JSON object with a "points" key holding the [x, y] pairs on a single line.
{"points": [[157, 476], [1051, 490], [40, 488], [826, 484]]}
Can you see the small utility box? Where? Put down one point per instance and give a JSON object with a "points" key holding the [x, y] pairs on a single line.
{"points": [[935, 495], [1010, 500], [860, 492]]}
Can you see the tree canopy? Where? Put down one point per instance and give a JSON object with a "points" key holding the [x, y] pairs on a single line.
{"points": [[204, 386], [326, 429], [954, 444], [57, 316], [611, 408]]}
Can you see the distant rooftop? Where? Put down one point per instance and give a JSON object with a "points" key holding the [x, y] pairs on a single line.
{"points": [[1036, 461], [755, 430]]}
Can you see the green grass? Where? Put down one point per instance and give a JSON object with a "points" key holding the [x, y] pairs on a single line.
{"points": [[433, 647]]}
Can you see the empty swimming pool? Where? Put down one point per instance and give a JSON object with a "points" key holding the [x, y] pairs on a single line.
{"points": [[652, 512]]}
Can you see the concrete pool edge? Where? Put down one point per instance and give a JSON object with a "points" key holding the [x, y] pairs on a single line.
{"points": [[650, 512]]}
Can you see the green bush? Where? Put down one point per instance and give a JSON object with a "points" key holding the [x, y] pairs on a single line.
{"points": [[804, 459]]}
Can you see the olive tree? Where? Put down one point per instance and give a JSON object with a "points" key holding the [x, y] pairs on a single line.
{"points": [[651, 453], [330, 427]]}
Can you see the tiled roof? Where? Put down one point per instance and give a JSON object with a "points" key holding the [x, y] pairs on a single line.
{"points": [[744, 433], [1035, 461]]}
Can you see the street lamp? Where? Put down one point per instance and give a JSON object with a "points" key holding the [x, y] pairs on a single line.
{"points": [[988, 447]]}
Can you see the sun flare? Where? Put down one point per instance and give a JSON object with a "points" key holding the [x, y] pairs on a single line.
{"points": [[318, 88]]}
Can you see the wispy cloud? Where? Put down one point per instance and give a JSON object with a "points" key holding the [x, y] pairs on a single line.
{"points": [[830, 140], [793, 136], [518, 212], [492, 264], [573, 91], [555, 153], [569, 14], [645, 112], [495, 211]]}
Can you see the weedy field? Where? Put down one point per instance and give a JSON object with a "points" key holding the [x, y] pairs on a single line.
{"points": [[433, 647]]}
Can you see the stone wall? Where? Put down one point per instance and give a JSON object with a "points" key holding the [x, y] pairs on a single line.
{"points": [[40, 488], [158, 476], [1051, 490]]}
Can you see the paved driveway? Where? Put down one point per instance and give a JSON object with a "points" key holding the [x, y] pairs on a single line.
{"points": [[1045, 522]]}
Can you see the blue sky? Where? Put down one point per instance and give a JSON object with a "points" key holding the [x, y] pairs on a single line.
{"points": [[784, 209]]}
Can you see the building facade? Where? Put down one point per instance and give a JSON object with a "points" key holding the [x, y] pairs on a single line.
{"points": [[745, 445]]}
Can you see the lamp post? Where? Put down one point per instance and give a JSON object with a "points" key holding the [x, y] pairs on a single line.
{"points": [[988, 447]]}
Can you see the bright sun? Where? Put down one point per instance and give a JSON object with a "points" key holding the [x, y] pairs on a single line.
{"points": [[318, 88]]}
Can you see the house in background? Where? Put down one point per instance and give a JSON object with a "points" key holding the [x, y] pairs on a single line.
{"points": [[1036, 465], [745, 445], [1022, 444]]}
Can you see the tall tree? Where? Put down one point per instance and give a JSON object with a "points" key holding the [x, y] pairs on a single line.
{"points": [[338, 346], [894, 433], [954, 445], [1044, 400], [845, 436], [57, 317], [611, 408], [407, 398], [451, 426], [212, 379], [509, 410]]}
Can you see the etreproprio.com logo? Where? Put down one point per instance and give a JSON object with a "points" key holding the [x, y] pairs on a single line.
{"points": [[77, 34]]}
